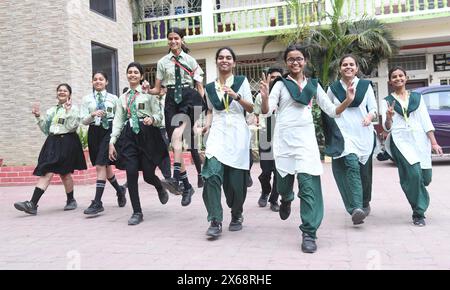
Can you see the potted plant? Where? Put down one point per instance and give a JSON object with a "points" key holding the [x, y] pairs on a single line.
{"points": [[83, 135]]}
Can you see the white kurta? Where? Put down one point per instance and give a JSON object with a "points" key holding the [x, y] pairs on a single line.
{"points": [[229, 136], [358, 139], [410, 136], [295, 146]]}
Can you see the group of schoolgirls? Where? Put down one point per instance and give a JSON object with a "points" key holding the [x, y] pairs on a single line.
{"points": [[125, 132]]}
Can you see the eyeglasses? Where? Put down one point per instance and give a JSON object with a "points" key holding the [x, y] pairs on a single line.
{"points": [[291, 60]]}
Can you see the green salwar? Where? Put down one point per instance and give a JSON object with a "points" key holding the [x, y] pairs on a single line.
{"points": [[311, 201], [413, 180], [234, 183], [354, 181]]}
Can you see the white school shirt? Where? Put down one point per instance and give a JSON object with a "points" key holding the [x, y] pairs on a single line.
{"points": [[410, 137], [229, 135], [89, 105], [358, 139], [295, 146]]}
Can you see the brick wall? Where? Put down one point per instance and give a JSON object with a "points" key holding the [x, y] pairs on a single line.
{"points": [[23, 175], [44, 43]]}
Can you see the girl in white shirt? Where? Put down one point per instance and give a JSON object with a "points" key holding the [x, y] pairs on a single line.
{"points": [[98, 111], [410, 142], [295, 146], [352, 140], [228, 144]]}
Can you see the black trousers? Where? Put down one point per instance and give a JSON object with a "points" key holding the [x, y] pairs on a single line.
{"points": [[268, 168]]}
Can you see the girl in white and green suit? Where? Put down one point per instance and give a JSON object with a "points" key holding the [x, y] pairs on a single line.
{"points": [[410, 142], [295, 146], [228, 144], [352, 139]]}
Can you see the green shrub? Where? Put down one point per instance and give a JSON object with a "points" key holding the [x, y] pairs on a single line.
{"points": [[83, 135]]}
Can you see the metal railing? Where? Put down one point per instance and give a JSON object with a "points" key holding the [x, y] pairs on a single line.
{"points": [[257, 16]]}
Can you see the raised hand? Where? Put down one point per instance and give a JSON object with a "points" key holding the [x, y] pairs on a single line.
{"points": [[68, 105], [264, 85], [390, 110], [35, 109], [145, 87], [351, 91]]}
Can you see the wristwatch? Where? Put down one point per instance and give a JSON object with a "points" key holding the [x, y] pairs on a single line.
{"points": [[238, 97]]}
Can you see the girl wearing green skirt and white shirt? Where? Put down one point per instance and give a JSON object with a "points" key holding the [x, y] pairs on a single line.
{"points": [[353, 140], [295, 146], [410, 142]]}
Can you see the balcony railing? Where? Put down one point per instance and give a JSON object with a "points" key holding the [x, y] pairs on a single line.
{"points": [[234, 18]]}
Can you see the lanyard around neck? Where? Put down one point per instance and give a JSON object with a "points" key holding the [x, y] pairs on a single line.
{"points": [[55, 117], [226, 97], [404, 108]]}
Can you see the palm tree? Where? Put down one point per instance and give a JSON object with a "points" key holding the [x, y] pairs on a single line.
{"points": [[367, 38]]}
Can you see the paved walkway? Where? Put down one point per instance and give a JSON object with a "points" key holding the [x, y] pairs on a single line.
{"points": [[173, 237]]}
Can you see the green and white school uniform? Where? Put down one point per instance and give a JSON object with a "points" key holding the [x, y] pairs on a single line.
{"points": [[62, 152], [410, 147], [181, 98], [100, 129], [98, 101], [295, 146], [353, 144], [227, 149]]}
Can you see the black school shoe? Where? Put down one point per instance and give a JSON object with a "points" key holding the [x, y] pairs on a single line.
{"points": [[135, 219], [187, 195], [163, 195], [285, 209], [26, 206], [236, 224], [121, 199], [172, 185], [94, 208], [215, 229], [308, 244], [71, 204]]}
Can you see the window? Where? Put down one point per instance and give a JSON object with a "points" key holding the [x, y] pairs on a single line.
{"points": [[253, 69], [104, 7], [444, 81], [409, 62], [437, 100], [441, 62], [105, 59]]}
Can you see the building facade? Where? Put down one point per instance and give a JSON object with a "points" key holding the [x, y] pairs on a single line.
{"points": [[420, 28], [44, 43]]}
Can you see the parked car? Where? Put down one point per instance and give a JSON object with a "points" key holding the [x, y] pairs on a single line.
{"points": [[437, 99]]}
